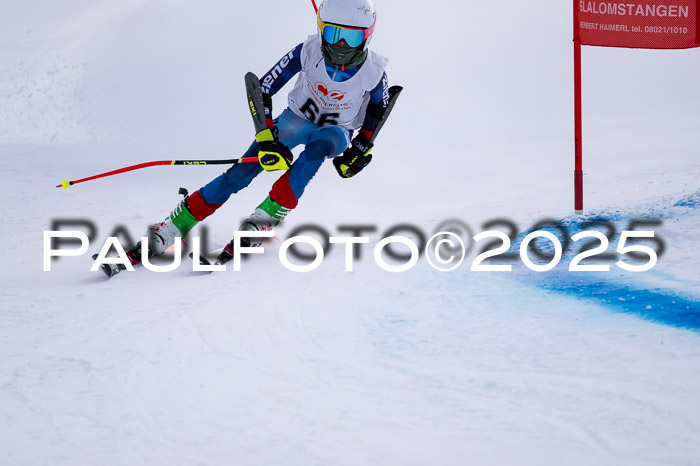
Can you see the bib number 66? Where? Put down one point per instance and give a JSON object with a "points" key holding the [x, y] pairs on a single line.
{"points": [[311, 110]]}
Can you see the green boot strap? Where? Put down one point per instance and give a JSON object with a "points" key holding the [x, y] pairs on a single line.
{"points": [[274, 209], [183, 220]]}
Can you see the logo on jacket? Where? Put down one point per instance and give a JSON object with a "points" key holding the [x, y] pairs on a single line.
{"points": [[335, 96]]}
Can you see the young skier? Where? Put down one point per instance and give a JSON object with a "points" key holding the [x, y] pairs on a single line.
{"points": [[341, 88]]}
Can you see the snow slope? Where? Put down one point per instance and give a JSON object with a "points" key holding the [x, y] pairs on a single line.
{"points": [[268, 366]]}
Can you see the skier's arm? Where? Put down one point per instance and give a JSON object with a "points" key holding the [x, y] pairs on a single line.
{"points": [[358, 155], [273, 154], [279, 75], [378, 101]]}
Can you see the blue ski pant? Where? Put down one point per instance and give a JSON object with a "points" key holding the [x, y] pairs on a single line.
{"points": [[320, 142]]}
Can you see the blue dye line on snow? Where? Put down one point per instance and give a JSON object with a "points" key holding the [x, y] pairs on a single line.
{"points": [[663, 306]]}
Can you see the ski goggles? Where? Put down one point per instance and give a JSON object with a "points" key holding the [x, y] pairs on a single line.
{"points": [[333, 33]]}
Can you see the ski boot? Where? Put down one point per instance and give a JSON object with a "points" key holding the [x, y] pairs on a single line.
{"points": [[267, 215], [160, 237]]}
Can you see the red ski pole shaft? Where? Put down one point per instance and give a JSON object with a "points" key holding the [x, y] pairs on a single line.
{"points": [[65, 184]]}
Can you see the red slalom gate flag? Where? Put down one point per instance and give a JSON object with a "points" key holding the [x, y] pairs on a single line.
{"points": [[646, 24], [643, 24]]}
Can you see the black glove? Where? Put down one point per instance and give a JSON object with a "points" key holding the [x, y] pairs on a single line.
{"points": [[273, 154], [355, 158]]}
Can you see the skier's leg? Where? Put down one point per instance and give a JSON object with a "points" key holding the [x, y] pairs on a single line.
{"points": [[284, 196], [322, 143], [291, 129]]}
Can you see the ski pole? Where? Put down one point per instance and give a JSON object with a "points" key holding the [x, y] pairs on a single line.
{"points": [[65, 184], [315, 7]]}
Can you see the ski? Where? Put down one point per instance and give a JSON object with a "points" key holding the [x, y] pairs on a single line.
{"points": [[224, 255], [208, 258], [109, 269]]}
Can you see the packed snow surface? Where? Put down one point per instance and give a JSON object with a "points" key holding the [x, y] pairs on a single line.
{"points": [[268, 366]]}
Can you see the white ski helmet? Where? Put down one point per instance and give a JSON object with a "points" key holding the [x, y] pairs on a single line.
{"points": [[358, 16]]}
